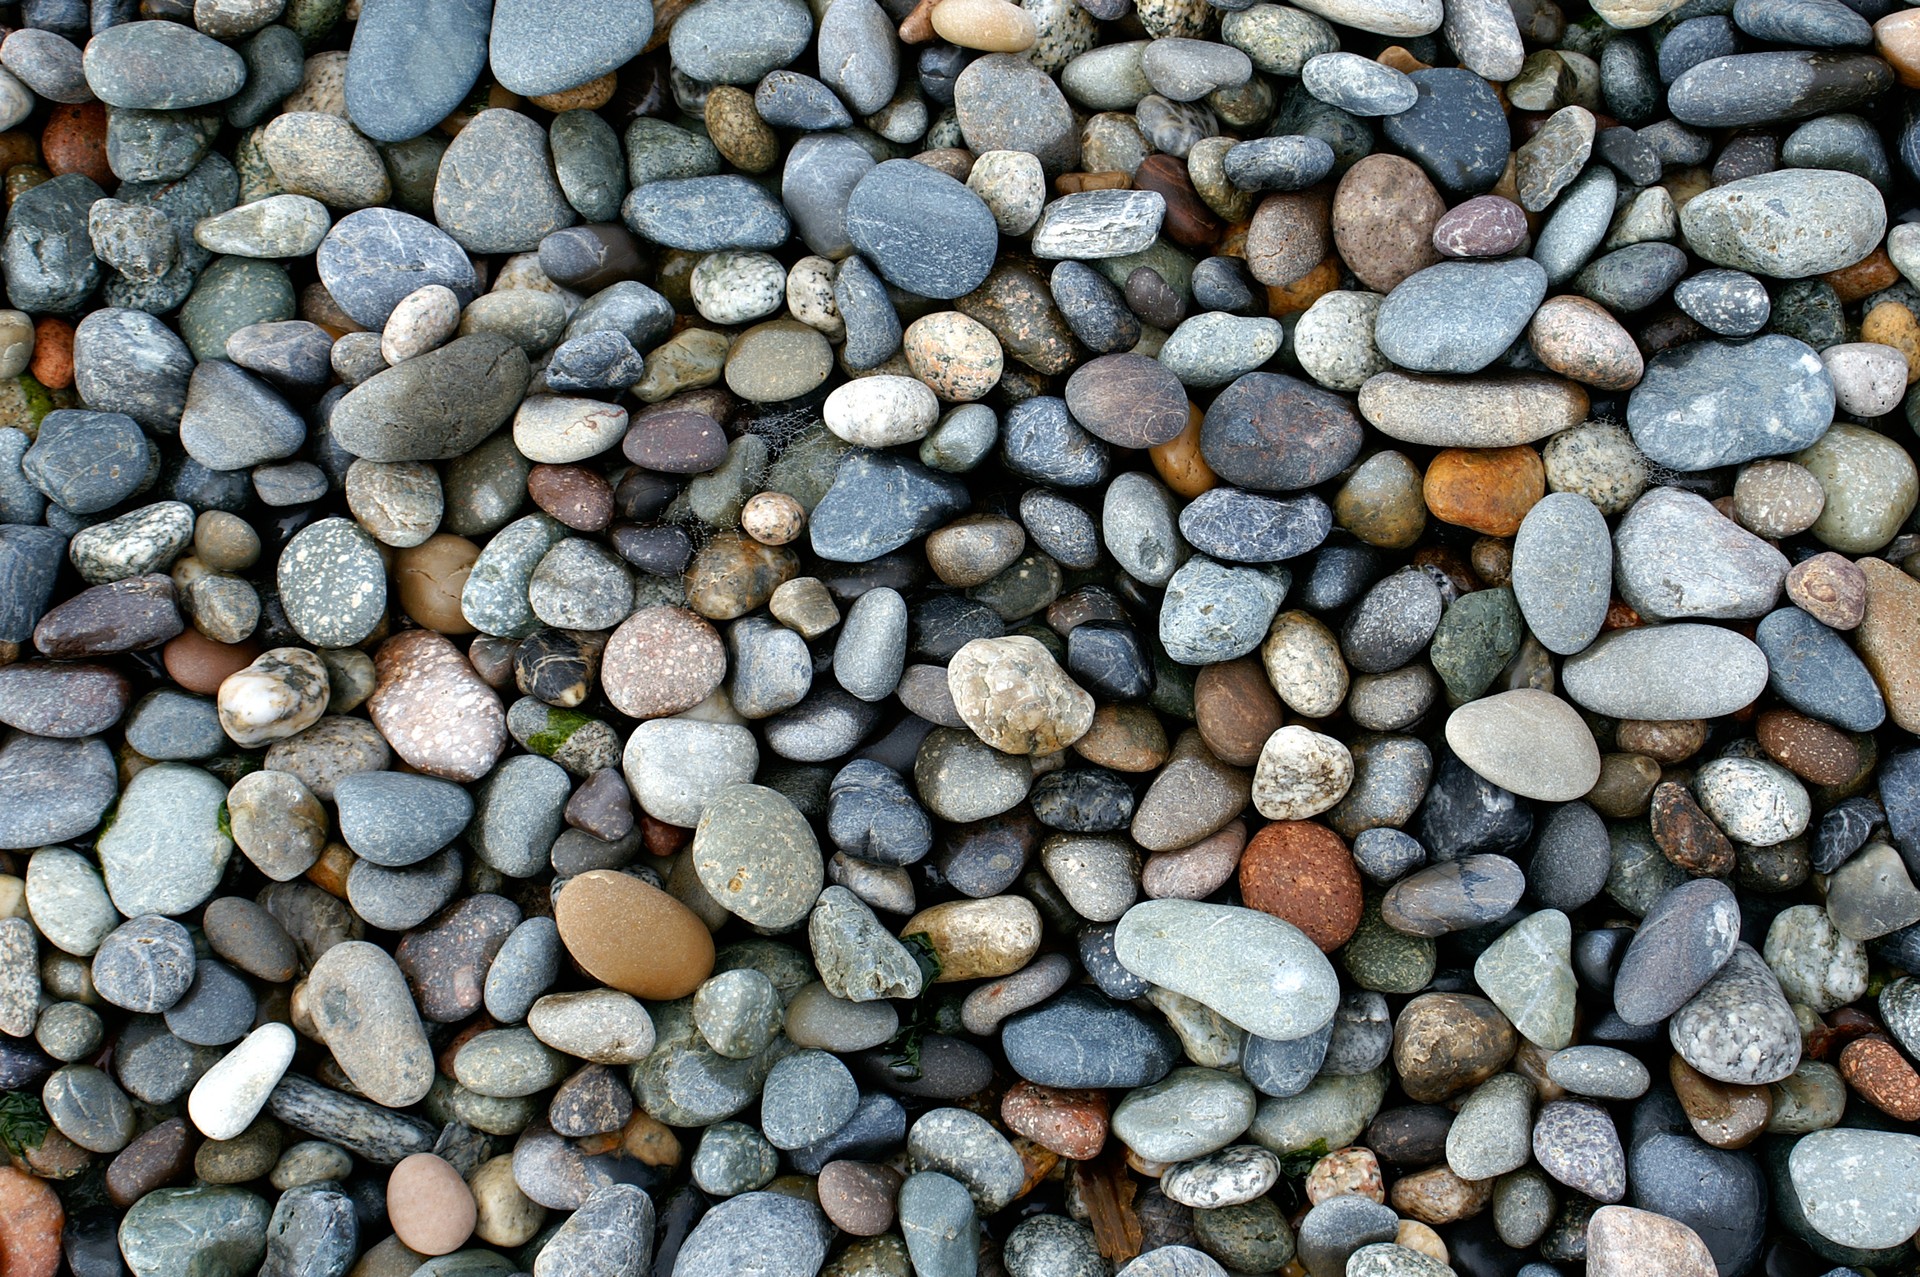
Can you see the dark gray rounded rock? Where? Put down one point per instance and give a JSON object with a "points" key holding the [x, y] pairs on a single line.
{"points": [[1683, 942], [1272, 432], [397, 819], [1455, 130], [1720, 1194], [47, 255], [434, 406], [87, 461], [496, 191], [144, 964], [922, 230], [1815, 670], [1080, 1039], [706, 214], [130, 362]]}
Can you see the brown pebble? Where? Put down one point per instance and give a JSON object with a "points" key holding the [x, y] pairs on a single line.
{"points": [[1444, 1043], [1302, 872], [1236, 709], [429, 578], [200, 665], [1721, 1113], [858, 1196], [31, 1218], [1875, 1068], [52, 364], [1189, 222], [1128, 400], [1384, 213], [591, 96], [1624, 1242], [574, 495], [162, 1155], [1625, 785], [1812, 750], [1346, 1172], [599, 914], [772, 518], [743, 139], [1290, 234], [1125, 738], [1179, 462], [1070, 1123], [1829, 589], [429, 1205], [1438, 1196], [1888, 639], [681, 441], [1196, 872], [75, 141], [1664, 741], [1579, 338]]}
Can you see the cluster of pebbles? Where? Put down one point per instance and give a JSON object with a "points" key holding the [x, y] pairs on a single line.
{"points": [[959, 639]]}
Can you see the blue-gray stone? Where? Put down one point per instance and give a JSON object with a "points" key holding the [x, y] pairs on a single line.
{"points": [[397, 818], [413, 62], [1815, 670], [314, 1232], [375, 256], [161, 66], [276, 62], [1769, 88], [30, 561], [1570, 858], [1281, 1069], [738, 41], [922, 230], [874, 1132], [1278, 163], [234, 421], [767, 1234], [545, 46], [1718, 403], [879, 502], [789, 100], [213, 1229], [1081, 1039], [816, 183], [52, 790], [706, 214], [88, 461], [1684, 940], [1213, 612], [1245, 527], [128, 361], [1720, 1194], [47, 256], [1040, 440], [588, 163], [938, 1222], [1806, 24], [872, 815], [1731, 303], [495, 190]]}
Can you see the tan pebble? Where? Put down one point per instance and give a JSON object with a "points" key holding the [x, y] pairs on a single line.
{"points": [[429, 1205], [772, 518]]}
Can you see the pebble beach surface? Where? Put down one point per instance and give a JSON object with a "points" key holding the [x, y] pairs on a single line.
{"points": [[957, 638]]}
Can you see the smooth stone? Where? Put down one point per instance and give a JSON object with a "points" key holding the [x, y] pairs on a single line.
{"points": [[1649, 673], [409, 67]]}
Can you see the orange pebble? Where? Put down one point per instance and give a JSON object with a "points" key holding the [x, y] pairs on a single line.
{"points": [[1487, 489], [52, 364]]}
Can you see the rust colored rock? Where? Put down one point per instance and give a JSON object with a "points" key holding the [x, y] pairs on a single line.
{"points": [[662, 660], [75, 141], [1875, 1068], [1236, 709], [1444, 1043], [435, 711], [1487, 489], [52, 364], [1686, 834], [1302, 872], [1384, 213], [1288, 237], [1812, 750], [1896, 38], [1721, 1113], [633, 937], [31, 1218], [1829, 589], [1070, 1123]]}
